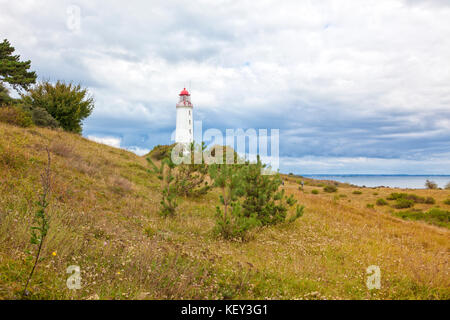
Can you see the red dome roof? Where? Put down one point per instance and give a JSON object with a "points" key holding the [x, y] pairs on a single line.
{"points": [[184, 92]]}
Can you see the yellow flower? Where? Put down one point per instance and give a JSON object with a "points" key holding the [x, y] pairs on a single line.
{"points": [[54, 253], [118, 272]]}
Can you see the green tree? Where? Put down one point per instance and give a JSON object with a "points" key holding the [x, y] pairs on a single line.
{"points": [[68, 104], [263, 203], [14, 71], [230, 224], [168, 204], [263, 197], [190, 178]]}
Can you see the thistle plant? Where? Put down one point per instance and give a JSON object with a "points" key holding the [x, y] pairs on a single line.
{"points": [[40, 226]]}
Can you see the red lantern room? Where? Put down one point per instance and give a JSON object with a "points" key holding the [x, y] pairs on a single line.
{"points": [[184, 92], [185, 98]]}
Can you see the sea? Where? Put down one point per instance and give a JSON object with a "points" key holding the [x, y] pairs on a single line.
{"points": [[392, 181]]}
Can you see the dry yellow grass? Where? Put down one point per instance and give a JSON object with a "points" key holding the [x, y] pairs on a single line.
{"points": [[104, 218]]}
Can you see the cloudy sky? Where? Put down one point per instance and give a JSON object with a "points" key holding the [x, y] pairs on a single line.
{"points": [[353, 86]]}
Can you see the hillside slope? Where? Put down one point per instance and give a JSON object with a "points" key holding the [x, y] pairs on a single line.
{"points": [[104, 218]]}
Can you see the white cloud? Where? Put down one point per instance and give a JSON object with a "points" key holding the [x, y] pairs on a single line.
{"points": [[110, 141], [138, 151], [345, 78]]}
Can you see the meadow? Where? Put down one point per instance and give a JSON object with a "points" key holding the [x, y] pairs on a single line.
{"points": [[104, 218]]}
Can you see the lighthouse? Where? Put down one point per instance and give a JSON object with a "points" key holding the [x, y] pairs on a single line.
{"points": [[185, 127]]}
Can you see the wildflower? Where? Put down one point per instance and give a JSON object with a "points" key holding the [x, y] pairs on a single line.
{"points": [[54, 253]]}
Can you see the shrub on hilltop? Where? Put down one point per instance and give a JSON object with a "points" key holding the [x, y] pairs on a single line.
{"points": [[381, 202], [330, 188], [403, 203], [431, 184], [161, 151]]}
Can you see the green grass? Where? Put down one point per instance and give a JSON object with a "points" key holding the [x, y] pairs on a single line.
{"points": [[434, 216], [104, 218]]}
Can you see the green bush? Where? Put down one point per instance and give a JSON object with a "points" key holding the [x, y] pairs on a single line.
{"points": [[161, 151], [69, 104], [381, 202], [41, 117], [395, 196], [403, 203], [434, 216], [357, 192], [370, 206], [447, 201], [315, 191], [330, 188], [15, 116], [413, 197]]}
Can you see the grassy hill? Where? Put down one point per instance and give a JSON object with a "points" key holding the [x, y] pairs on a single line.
{"points": [[104, 218]]}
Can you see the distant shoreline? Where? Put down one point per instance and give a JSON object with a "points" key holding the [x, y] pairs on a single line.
{"points": [[401, 181]]}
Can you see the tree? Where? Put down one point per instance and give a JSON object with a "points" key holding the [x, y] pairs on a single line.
{"points": [[234, 224], [68, 104], [168, 204], [190, 178], [431, 184], [262, 201], [262, 197], [14, 71]]}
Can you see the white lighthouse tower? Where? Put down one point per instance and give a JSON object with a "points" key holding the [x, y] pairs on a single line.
{"points": [[185, 126]]}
